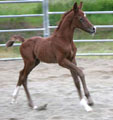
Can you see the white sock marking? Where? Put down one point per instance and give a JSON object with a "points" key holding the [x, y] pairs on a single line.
{"points": [[15, 94], [35, 107], [83, 103]]}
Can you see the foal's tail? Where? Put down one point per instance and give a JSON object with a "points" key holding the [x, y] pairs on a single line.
{"points": [[13, 39]]}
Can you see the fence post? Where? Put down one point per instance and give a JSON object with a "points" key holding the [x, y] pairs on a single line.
{"points": [[46, 18]]}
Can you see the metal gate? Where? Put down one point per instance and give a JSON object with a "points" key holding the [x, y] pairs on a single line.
{"points": [[46, 25]]}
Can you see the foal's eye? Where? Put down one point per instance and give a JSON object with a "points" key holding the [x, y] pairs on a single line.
{"points": [[81, 19]]}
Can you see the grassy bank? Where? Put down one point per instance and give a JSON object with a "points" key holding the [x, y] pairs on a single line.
{"points": [[57, 5]]}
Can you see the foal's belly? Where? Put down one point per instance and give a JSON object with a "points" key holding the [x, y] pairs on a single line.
{"points": [[46, 57], [45, 53]]}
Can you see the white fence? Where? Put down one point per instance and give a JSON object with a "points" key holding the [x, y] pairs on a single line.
{"points": [[44, 15], [46, 26]]}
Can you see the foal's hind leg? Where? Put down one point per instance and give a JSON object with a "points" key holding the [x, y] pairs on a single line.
{"points": [[16, 91], [28, 66]]}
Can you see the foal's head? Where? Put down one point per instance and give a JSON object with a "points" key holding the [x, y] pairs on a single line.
{"points": [[80, 20]]}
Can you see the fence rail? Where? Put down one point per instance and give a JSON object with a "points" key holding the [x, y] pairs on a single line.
{"points": [[42, 29], [95, 40], [20, 1], [86, 12], [22, 30], [78, 54], [26, 15], [46, 26], [52, 13], [97, 26]]}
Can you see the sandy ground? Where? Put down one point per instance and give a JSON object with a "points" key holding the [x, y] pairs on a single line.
{"points": [[51, 84]]}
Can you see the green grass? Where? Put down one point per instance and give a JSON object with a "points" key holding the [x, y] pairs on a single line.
{"points": [[57, 5], [16, 9], [9, 52], [88, 5], [100, 34], [103, 47], [95, 47]]}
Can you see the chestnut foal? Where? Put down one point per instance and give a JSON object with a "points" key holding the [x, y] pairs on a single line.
{"points": [[58, 48]]}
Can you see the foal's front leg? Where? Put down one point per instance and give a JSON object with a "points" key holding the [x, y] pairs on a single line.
{"points": [[87, 94], [75, 70], [76, 81], [77, 84]]}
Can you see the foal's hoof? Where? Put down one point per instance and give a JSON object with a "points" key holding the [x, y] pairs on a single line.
{"points": [[90, 103], [83, 103], [43, 107], [13, 101], [35, 107]]}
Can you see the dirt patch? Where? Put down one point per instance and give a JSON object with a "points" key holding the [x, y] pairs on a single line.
{"points": [[50, 84]]}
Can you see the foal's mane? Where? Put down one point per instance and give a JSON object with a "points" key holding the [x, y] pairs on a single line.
{"points": [[65, 14]]}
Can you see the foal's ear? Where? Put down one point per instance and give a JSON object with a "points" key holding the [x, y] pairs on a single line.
{"points": [[80, 6], [75, 7]]}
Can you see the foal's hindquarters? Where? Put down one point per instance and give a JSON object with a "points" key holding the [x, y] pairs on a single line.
{"points": [[30, 61]]}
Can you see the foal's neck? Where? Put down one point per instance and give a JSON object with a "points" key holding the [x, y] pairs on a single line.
{"points": [[66, 31]]}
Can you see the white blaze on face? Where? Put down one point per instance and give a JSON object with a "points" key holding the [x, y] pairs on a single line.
{"points": [[95, 28]]}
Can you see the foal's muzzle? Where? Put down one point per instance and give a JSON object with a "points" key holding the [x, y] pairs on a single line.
{"points": [[92, 30]]}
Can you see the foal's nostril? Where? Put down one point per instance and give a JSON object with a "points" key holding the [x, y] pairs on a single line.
{"points": [[93, 29]]}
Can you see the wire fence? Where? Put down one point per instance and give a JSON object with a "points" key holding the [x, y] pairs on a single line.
{"points": [[46, 27]]}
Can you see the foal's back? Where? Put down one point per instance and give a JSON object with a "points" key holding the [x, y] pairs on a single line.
{"points": [[39, 48]]}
